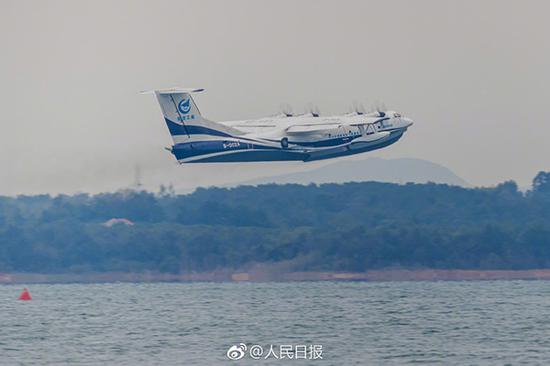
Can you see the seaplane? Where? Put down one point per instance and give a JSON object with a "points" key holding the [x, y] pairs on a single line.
{"points": [[284, 137]]}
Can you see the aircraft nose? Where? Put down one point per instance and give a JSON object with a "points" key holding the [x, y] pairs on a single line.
{"points": [[408, 122]]}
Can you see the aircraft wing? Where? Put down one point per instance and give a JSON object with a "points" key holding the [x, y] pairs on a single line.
{"points": [[309, 128], [364, 123]]}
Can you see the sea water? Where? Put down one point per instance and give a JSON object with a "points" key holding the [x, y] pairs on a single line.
{"points": [[307, 323]]}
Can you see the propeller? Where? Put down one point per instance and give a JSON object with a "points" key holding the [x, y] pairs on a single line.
{"points": [[286, 109], [314, 110], [380, 108], [358, 108]]}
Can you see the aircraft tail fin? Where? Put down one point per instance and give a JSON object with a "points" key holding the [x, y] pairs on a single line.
{"points": [[183, 117]]}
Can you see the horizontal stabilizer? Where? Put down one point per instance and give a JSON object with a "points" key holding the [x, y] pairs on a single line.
{"points": [[174, 90]]}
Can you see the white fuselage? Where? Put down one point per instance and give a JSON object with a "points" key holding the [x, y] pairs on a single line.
{"points": [[280, 138]]}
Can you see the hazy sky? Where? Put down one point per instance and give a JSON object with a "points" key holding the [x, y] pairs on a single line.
{"points": [[474, 75]]}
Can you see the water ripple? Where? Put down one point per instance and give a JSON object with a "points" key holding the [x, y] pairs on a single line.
{"points": [[358, 323]]}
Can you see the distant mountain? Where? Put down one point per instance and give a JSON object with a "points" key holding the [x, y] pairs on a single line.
{"points": [[370, 169]]}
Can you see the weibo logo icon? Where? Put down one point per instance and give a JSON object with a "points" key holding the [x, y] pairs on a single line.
{"points": [[184, 106], [236, 352]]}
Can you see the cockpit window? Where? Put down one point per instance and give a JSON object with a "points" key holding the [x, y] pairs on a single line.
{"points": [[396, 115]]}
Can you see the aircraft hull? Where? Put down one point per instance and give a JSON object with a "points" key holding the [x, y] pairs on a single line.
{"points": [[239, 150]]}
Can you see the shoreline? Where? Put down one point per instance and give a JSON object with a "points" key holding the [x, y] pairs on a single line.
{"points": [[381, 275]]}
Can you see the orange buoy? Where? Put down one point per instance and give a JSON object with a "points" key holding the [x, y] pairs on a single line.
{"points": [[25, 295]]}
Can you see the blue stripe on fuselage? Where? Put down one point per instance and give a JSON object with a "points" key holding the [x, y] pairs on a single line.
{"points": [[327, 143], [327, 154], [254, 155], [178, 130], [244, 152], [195, 148]]}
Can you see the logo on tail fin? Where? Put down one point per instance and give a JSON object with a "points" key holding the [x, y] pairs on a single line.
{"points": [[184, 106]]}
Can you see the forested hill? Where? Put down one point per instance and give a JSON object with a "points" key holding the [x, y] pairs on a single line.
{"points": [[351, 227]]}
